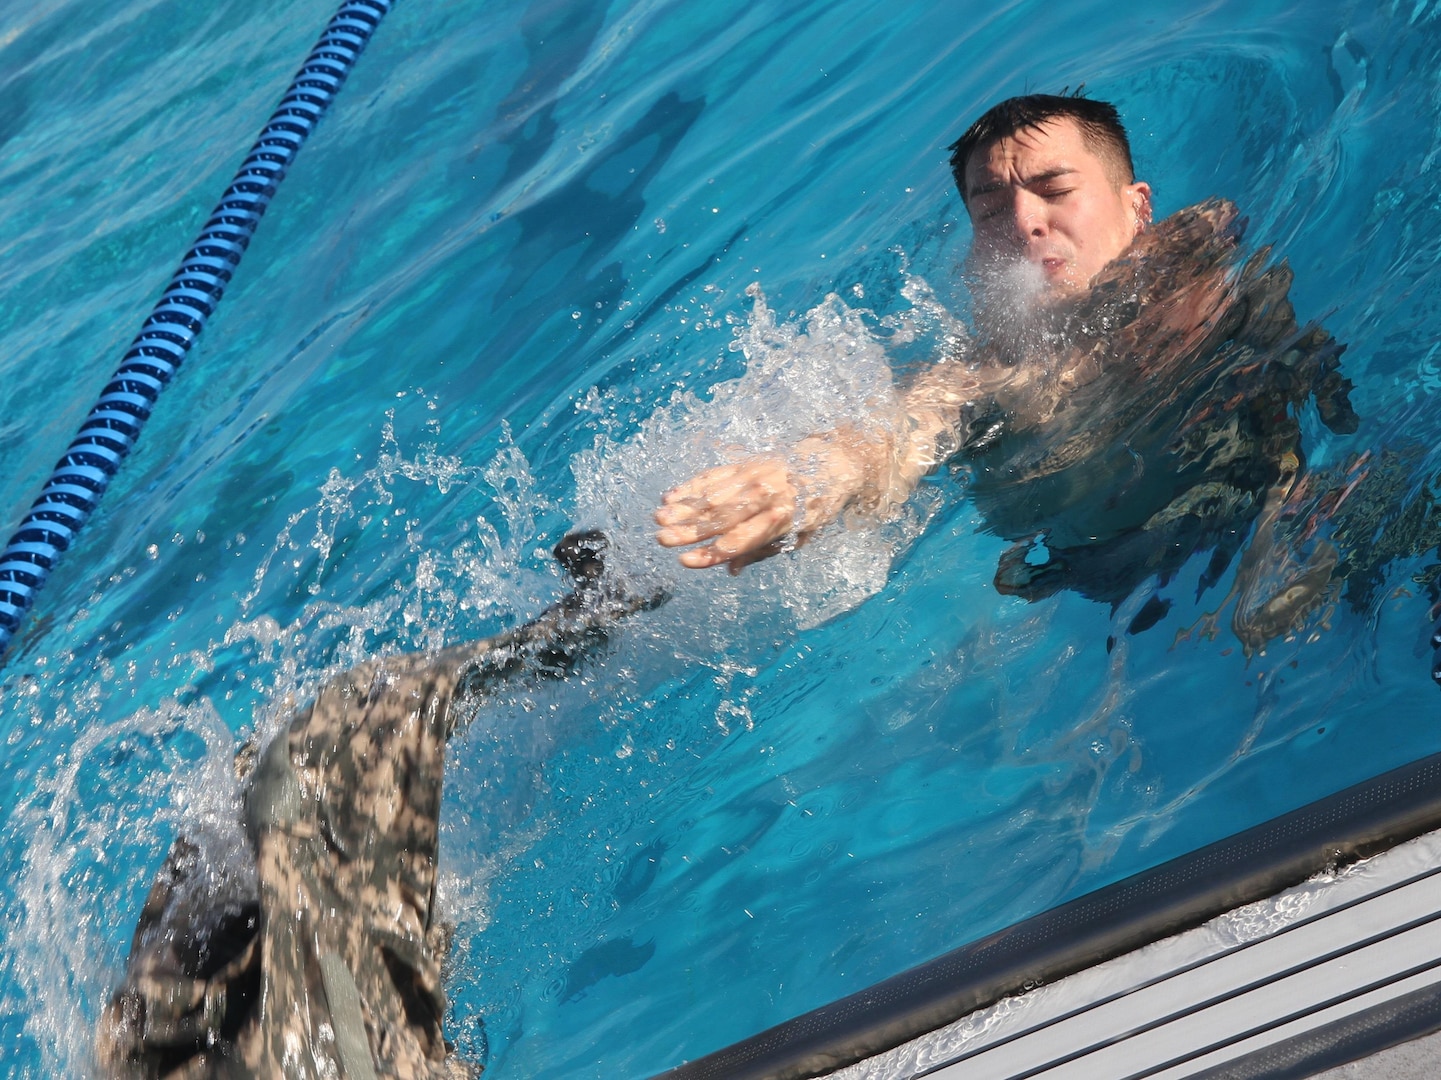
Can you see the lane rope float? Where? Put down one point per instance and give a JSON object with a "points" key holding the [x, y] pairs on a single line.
{"points": [[113, 424]]}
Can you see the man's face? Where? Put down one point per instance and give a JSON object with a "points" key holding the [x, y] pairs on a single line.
{"points": [[1043, 197]]}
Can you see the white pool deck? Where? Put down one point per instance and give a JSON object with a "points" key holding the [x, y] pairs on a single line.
{"points": [[1314, 974]]}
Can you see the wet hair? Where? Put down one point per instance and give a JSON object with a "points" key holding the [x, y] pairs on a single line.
{"points": [[1100, 125]]}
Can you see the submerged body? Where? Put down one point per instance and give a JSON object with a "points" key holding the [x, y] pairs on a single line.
{"points": [[1134, 398], [1154, 418], [331, 967], [1110, 434]]}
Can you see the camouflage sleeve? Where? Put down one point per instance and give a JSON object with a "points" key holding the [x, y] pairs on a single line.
{"points": [[1304, 361], [337, 970], [330, 964]]}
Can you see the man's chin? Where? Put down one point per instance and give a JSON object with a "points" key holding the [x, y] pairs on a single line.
{"points": [[1059, 282]]}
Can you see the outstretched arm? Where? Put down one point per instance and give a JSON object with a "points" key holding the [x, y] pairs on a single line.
{"points": [[746, 511]]}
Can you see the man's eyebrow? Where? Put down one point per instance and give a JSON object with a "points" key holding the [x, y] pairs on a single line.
{"points": [[1039, 178]]}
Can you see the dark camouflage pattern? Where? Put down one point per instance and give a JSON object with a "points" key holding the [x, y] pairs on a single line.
{"points": [[1380, 508], [333, 969]]}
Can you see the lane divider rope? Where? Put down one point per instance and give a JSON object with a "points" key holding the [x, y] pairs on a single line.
{"points": [[112, 426]]}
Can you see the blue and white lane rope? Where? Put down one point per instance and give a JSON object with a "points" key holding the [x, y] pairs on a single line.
{"points": [[108, 433]]}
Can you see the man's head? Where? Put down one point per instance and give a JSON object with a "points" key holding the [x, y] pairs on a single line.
{"points": [[1048, 182]]}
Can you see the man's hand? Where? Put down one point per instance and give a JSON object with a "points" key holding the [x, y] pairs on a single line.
{"points": [[764, 505], [746, 510]]}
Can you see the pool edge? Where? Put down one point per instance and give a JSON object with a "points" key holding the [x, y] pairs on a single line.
{"points": [[1178, 895]]}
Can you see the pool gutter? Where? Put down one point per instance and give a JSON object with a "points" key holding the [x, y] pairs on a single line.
{"points": [[1176, 896]]}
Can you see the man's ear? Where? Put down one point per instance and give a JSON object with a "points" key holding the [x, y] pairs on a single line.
{"points": [[1139, 195]]}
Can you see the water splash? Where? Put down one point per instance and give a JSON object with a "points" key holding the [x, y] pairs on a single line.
{"points": [[91, 818], [805, 375], [92, 825], [464, 547]]}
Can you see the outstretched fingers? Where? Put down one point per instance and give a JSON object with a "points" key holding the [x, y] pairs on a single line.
{"points": [[741, 508], [751, 537]]}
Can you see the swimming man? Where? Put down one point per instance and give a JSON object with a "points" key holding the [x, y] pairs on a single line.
{"points": [[1132, 398]]}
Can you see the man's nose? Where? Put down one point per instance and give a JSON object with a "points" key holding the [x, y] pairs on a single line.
{"points": [[1028, 217]]}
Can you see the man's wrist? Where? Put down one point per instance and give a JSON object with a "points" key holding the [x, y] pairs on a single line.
{"points": [[830, 473]]}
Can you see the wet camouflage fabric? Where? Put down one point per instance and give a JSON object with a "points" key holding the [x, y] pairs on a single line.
{"points": [[1167, 421], [1363, 517], [1379, 509], [333, 970]]}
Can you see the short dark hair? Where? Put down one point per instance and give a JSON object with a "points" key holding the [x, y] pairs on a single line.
{"points": [[1099, 122]]}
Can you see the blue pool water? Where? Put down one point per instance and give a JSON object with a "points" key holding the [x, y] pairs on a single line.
{"points": [[542, 260]]}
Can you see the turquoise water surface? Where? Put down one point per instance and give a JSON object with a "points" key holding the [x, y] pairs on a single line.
{"points": [[542, 260]]}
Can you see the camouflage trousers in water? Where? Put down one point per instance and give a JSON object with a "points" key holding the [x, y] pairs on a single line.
{"points": [[332, 969]]}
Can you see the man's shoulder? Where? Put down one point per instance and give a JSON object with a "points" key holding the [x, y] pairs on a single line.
{"points": [[1212, 223]]}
